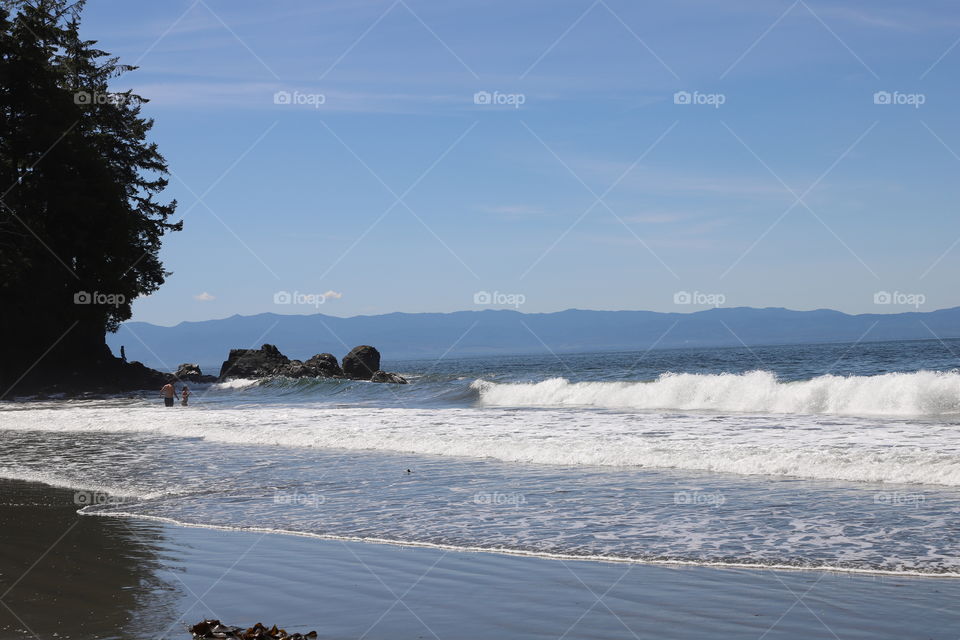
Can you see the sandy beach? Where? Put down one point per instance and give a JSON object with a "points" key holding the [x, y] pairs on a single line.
{"points": [[65, 575]]}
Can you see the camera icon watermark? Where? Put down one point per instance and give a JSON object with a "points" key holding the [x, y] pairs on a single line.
{"points": [[914, 300], [496, 298], [97, 298], [92, 498], [499, 99], [499, 499], [698, 498], [297, 298], [84, 98], [715, 100], [699, 298], [291, 498], [314, 100], [914, 100], [899, 499]]}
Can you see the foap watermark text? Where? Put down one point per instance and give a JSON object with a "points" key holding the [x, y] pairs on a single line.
{"points": [[301, 499], [899, 298], [499, 99], [496, 498], [298, 298], [715, 100], [496, 298], [899, 499], [99, 298], [314, 100], [699, 498], [88, 498], [915, 100], [97, 97], [700, 298]]}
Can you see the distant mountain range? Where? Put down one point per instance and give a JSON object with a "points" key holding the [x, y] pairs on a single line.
{"points": [[401, 336]]}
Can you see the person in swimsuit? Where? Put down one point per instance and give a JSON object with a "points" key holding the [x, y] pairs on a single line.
{"points": [[184, 395], [168, 392]]}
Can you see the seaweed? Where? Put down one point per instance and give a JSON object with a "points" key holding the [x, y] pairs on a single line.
{"points": [[214, 629]]}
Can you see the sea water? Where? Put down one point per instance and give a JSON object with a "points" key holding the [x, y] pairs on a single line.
{"points": [[843, 456]]}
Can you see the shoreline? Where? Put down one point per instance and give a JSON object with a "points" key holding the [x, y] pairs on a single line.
{"points": [[504, 551], [112, 577]]}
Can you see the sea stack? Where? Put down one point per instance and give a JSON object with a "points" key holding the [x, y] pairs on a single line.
{"points": [[361, 363]]}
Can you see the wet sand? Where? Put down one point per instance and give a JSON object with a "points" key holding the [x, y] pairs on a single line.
{"points": [[68, 576]]}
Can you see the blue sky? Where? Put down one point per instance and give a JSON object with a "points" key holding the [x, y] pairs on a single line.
{"points": [[400, 192]]}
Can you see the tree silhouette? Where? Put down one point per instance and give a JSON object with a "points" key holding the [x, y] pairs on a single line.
{"points": [[80, 229]]}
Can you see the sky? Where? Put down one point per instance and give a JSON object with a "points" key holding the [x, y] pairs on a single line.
{"points": [[362, 157]]}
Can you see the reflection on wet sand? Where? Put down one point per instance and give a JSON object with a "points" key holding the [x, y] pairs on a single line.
{"points": [[80, 577]]}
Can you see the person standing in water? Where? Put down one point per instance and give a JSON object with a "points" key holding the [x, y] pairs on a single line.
{"points": [[168, 392], [184, 395]]}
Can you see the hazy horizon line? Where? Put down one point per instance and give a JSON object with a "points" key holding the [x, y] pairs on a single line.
{"points": [[532, 313]]}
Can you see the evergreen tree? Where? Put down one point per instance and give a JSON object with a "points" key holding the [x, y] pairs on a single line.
{"points": [[78, 181]]}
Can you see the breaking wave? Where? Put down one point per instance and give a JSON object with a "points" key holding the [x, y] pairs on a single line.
{"points": [[923, 393]]}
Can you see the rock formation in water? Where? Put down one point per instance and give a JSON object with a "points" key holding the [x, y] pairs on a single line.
{"points": [[188, 372], [362, 363]]}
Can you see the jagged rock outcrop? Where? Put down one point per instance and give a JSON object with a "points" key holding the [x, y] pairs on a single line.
{"points": [[361, 363], [253, 363], [326, 365], [385, 376], [136, 375], [188, 372]]}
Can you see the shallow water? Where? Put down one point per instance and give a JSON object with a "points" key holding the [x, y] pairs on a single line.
{"points": [[843, 456]]}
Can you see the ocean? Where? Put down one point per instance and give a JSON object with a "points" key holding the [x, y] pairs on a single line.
{"points": [[840, 456]]}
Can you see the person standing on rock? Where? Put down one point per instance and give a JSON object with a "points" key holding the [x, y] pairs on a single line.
{"points": [[168, 392], [184, 394]]}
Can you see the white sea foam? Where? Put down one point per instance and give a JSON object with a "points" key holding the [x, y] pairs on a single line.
{"points": [[924, 393], [87, 491], [236, 383], [853, 449]]}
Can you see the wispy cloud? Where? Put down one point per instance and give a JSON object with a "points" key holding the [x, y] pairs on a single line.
{"points": [[513, 209], [679, 180], [896, 19], [657, 217], [679, 224], [259, 96], [204, 297]]}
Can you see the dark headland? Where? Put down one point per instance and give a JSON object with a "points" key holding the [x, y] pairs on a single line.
{"points": [[114, 375]]}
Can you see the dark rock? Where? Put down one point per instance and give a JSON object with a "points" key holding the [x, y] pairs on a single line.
{"points": [[361, 363], [271, 350], [137, 375], [109, 376], [295, 369], [105, 376], [188, 372], [325, 365], [259, 631], [308, 369], [316, 367], [254, 363], [384, 376]]}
